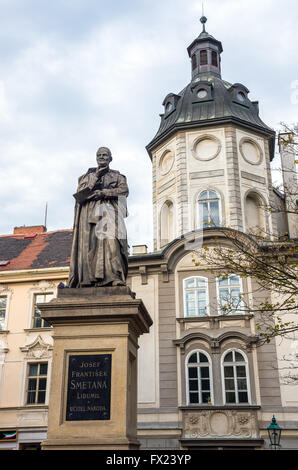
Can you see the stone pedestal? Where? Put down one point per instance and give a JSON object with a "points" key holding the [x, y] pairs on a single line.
{"points": [[93, 394]]}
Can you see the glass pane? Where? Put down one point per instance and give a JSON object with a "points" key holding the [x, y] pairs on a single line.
{"points": [[239, 357], [193, 372], [39, 299], [223, 282], [37, 322], [228, 371], [205, 397], [240, 371], [230, 397], [243, 397], [32, 384], [41, 397], [202, 307], [205, 372], [242, 385], [205, 384], [201, 282], [31, 397], [212, 195], [193, 385], [193, 397], [229, 384], [203, 358], [203, 196], [46, 324], [205, 214], [234, 280], [190, 304], [214, 212], [190, 282], [193, 358], [33, 369], [229, 357], [3, 302], [43, 369], [42, 384], [48, 297]]}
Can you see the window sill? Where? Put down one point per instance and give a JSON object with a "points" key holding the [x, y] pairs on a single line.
{"points": [[29, 330], [37, 406], [215, 318], [207, 406]]}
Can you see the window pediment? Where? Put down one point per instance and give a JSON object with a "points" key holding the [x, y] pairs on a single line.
{"points": [[38, 349]]}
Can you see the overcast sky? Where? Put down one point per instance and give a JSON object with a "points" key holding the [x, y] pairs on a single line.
{"points": [[79, 74]]}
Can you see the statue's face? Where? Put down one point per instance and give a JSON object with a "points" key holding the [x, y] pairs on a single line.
{"points": [[103, 157]]}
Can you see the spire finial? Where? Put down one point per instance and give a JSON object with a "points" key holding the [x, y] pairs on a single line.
{"points": [[203, 19]]}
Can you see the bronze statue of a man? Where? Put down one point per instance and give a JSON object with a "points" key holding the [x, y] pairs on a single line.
{"points": [[99, 249]]}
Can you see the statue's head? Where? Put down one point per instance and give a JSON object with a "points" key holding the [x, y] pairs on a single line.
{"points": [[103, 156]]}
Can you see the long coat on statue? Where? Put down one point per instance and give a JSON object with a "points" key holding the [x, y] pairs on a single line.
{"points": [[99, 249]]}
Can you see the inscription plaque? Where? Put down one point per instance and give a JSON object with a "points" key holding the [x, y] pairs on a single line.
{"points": [[89, 387]]}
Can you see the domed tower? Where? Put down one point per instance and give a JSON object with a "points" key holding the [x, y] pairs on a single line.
{"points": [[211, 154]]}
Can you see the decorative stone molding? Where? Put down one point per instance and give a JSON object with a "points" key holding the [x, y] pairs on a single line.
{"points": [[38, 349], [256, 146], [165, 273], [143, 273], [214, 151], [166, 162], [220, 422]]}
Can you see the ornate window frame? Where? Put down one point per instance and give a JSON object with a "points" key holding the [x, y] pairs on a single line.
{"points": [[198, 224], [234, 365], [196, 289], [228, 287], [187, 391]]}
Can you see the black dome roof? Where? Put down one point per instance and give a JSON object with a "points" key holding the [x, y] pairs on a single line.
{"points": [[220, 105]]}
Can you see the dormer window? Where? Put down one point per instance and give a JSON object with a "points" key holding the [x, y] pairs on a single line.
{"points": [[203, 57], [202, 91], [214, 61], [170, 103], [239, 94]]}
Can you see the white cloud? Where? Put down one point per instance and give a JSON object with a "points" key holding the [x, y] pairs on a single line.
{"points": [[76, 75]]}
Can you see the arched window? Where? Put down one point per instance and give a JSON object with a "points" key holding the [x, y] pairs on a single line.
{"points": [[166, 223], [235, 378], [203, 57], [195, 296], [208, 209], [229, 295], [198, 371], [254, 214]]}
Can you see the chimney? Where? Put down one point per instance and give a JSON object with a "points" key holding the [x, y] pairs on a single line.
{"points": [[29, 230], [139, 249]]}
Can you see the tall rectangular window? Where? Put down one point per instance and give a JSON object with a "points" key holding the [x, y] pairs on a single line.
{"points": [[195, 296], [229, 293], [214, 58], [203, 57], [36, 383], [193, 61], [3, 307], [39, 322]]}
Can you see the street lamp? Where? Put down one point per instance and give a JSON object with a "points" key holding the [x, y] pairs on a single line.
{"points": [[274, 432]]}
